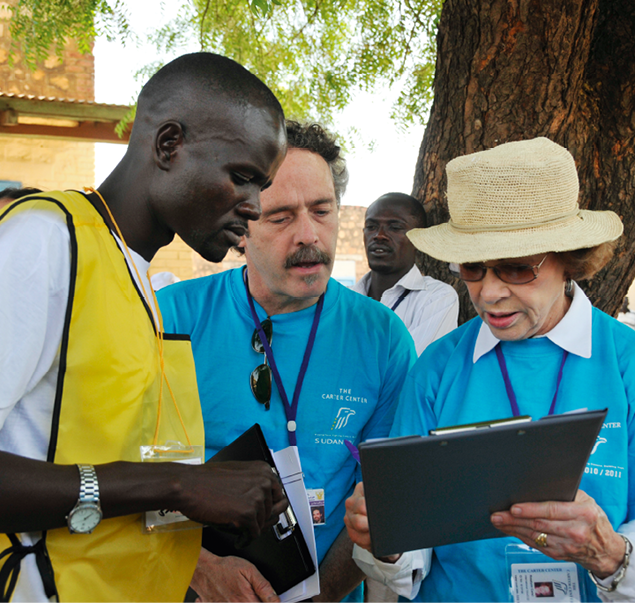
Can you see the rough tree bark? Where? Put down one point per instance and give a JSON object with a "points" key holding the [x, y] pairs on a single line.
{"points": [[516, 69]]}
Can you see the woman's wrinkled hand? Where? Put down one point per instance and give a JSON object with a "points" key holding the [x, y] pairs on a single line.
{"points": [[577, 531]]}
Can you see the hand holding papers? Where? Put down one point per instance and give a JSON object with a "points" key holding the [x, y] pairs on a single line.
{"points": [[430, 491], [281, 553], [288, 464]]}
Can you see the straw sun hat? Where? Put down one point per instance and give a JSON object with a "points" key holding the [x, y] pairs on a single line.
{"points": [[516, 200]]}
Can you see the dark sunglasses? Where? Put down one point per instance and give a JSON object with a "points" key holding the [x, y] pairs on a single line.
{"points": [[512, 274], [261, 376]]}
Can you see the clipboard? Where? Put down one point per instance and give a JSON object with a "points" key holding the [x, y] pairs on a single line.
{"points": [[280, 553], [427, 491]]}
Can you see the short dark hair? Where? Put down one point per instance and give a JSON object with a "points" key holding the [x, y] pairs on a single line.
{"points": [[190, 89], [581, 264], [313, 137], [411, 202], [16, 193], [214, 75]]}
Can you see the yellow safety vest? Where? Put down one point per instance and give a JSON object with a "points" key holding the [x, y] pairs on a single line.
{"points": [[106, 408]]}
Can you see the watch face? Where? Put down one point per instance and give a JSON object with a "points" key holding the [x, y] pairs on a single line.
{"points": [[85, 519]]}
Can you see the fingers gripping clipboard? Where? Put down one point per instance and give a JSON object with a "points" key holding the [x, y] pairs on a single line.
{"points": [[280, 553], [426, 491]]}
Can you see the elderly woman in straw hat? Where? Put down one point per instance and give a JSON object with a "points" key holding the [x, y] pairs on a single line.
{"points": [[519, 241]]}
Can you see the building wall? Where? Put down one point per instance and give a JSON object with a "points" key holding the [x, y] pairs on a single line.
{"points": [[177, 258], [71, 77], [184, 263], [350, 240], [44, 163], [47, 164]]}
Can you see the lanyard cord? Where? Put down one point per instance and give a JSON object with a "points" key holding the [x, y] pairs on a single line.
{"points": [[508, 384], [290, 410], [401, 298], [157, 321]]}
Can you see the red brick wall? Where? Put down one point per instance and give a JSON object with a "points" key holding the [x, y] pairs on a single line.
{"points": [[45, 163], [72, 77]]}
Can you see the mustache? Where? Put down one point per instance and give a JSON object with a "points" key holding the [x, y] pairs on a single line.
{"points": [[307, 255]]}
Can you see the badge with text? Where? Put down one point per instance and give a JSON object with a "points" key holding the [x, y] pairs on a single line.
{"points": [[163, 520], [316, 503], [545, 582]]}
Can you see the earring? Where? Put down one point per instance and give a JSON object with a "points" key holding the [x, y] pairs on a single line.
{"points": [[568, 288]]}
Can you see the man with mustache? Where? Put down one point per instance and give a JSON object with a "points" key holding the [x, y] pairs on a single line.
{"points": [[428, 307], [341, 358]]}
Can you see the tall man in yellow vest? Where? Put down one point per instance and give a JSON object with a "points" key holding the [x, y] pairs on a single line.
{"points": [[89, 387]]}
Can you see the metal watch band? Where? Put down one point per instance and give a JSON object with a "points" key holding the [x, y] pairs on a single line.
{"points": [[619, 576], [89, 487]]}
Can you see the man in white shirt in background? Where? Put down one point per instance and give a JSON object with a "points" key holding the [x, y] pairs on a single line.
{"points": [[428, 307]]}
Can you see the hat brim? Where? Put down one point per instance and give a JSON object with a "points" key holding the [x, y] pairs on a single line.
{"points": [[448, 244]]}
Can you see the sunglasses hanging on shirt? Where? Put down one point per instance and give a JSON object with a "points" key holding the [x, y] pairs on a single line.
{"points": [[261, 377]]}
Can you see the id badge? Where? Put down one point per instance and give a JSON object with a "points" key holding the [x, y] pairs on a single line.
{"points": [[534, 577], [316, 503], [167, 520]]}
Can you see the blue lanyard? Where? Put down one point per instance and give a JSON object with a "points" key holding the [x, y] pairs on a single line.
{"points": [[508, 384], [401, 298], [290, 410]]}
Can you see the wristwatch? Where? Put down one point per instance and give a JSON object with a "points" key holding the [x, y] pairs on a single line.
{"points": [[86, 514], [621, 572]]}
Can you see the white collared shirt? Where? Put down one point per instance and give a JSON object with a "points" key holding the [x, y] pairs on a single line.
{"points": [[573, 333], [429, 311]]}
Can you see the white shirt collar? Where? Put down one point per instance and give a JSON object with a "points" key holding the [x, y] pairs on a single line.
{"points": [[573, 333], [412, 280]]}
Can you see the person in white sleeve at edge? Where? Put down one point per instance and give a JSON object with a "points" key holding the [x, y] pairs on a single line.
{"points": [[429, 308], [519, 240], [90, 386]]}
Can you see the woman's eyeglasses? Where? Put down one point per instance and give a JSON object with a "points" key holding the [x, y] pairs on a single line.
{"points": [[260, 378], [512, 274]]}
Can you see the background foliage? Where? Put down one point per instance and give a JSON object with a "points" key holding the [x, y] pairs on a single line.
{"points": [[41, 27], [314, 54]]}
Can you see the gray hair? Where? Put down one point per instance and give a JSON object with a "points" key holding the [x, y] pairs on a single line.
{"points": [[313, 137]]}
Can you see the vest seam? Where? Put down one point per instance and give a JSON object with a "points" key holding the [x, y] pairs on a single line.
{"points": [[176, 337], [57, 406]]}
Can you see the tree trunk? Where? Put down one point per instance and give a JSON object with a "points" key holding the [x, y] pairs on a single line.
{"points": [[516, 69]]}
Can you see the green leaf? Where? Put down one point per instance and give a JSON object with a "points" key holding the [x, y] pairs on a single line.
{"points": [[314, 54]]}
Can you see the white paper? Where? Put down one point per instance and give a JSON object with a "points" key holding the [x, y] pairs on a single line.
{"points": [[288, 463]]}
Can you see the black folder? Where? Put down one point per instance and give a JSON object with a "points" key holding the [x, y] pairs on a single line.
{"points": [[426, 491], [280, 553]]}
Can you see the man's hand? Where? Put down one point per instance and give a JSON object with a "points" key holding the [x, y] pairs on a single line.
{"points": [[247, 496], [356, 518], [229, 579], [577, 531]]}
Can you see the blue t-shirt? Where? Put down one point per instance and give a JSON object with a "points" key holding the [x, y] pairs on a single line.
{"points": [[359, 362], [445, 387]]}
